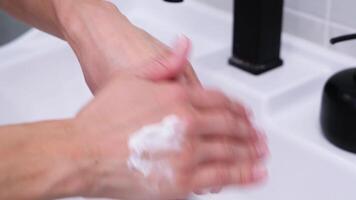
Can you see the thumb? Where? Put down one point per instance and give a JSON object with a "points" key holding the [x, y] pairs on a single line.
{"points": [[170, 66]]}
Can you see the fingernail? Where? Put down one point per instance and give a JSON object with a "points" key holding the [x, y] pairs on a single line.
{"points": [[254, 134], [198, 192], [243, 128], [249, 113], [260, 149], [259, 172], [261, 136], [216, 190], [241, 111], [182, 45]]}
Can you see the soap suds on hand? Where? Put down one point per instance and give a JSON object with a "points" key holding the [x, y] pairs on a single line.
{"points": [[152, 140]]}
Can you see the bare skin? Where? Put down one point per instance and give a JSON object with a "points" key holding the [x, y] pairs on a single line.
{"points": [[103, 39], [87, 155], [221, 148]]}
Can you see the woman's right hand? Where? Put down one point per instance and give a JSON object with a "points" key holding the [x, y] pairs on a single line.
{"points": [[220, 146], [106, 42]]}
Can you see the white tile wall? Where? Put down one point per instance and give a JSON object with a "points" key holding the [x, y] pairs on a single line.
{"points": [[343, 12], [314, 7], [221, 4], [337, 17], [315, 20], [311, 28]]}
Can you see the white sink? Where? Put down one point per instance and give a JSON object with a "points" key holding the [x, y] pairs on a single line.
{"points": [[43, 80]]}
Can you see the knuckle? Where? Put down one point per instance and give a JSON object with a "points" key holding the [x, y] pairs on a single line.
{"points": [[228, 116], [214, 93], [229, 150], [243, 128], [222, 98], [191, 121], [254, 150], [229, 120], [240, 110], [258, 150], [249, 152], [191, 148], [188, 112]]}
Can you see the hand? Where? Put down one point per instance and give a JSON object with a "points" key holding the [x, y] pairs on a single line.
{"points": [[219, 147], [105, 42]]}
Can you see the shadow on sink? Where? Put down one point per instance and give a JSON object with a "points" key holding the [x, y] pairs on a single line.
{"points": [[10, 28]]}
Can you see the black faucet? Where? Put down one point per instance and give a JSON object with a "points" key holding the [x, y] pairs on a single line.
{"points": [[257, 35]]}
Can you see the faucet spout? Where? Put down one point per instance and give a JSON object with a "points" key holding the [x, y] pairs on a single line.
{"points": [[257, 35]]}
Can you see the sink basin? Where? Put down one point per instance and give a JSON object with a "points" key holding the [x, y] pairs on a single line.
{"points": [[43, 81]]}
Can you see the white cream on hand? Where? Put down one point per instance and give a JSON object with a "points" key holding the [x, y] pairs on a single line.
{"points": [[151, 141]]}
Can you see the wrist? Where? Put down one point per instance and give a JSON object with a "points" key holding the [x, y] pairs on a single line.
{"points": [[80, 177], [93, 28], [105, 152], [82, 20], [65, 162]]}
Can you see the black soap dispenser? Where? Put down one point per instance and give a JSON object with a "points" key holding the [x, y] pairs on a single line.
{"points": [[338, 110]]}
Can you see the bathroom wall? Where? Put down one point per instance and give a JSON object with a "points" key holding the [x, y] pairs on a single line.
{"points": [[319, 20], [315, 20]]}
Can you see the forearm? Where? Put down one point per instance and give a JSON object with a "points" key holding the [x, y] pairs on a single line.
{"points": [[91, 27], [57, 17], [40, 161], [41, 14]]}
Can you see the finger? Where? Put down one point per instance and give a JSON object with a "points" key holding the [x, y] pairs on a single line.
{"points": [[205, 99], [230, 151], [221, 123], [170, 66], [221, 175], [190, 77], [199, 192], [213, 99], [216, 190]]}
